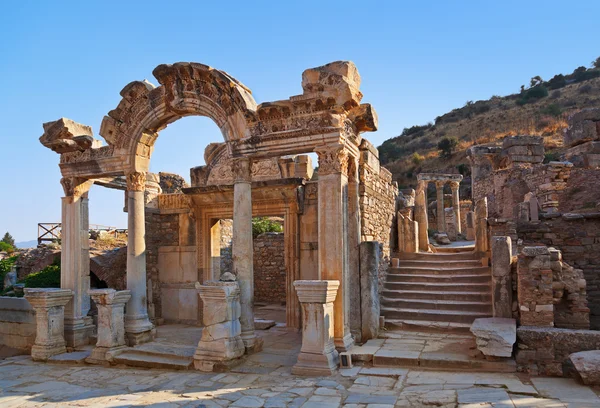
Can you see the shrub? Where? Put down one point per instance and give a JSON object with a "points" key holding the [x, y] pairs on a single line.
{"points": [[556, 94], [596, 63], [464, 169], [557, 81], [5, 267], [552, 110], [49, 277], [585, 88], [263, 224], [4, 247], [417, 159], [447, 146], [389, 152]]}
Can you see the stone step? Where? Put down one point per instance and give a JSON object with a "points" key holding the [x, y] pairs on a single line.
{"points": [[435, 287], [426, 326], [457, 316], [455, 361], [482, 270], [453, 250], [439, 278], [138, 358], [439, 264], [483, 296], [433, 304], [426, 256]]}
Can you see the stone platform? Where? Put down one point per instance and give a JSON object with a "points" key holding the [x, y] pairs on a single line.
{"points": [[25, 383], [441, 351]]}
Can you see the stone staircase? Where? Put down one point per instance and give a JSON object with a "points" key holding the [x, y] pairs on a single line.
{"points": [[433, 292]]}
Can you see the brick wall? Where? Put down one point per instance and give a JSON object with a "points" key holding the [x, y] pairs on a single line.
{"points": [[269, 268]]}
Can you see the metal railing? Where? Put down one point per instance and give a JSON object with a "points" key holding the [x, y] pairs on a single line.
{"points": [[51, 231]]}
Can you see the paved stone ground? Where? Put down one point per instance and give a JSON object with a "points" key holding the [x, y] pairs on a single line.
{"points": [[24, 383]]}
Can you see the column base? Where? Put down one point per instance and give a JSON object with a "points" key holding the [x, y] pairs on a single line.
{"points": [[344, 344], [134, 339], [104, 355], [252, 343], [43, 353], [78, 331], [316, 364]]}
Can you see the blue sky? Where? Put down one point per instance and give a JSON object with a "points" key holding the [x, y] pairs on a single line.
{"points": [[417, 60]]}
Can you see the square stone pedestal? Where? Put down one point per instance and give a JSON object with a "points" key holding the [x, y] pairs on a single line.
{"points": [[49, 305], [111, 323], [221, 345], [318, 355], [78, 331]]}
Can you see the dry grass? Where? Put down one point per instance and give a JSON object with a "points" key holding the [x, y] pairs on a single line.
{"points": [[505, 118]]}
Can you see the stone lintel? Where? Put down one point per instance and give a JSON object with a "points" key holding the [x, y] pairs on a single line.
{"points": [[439, 177]]}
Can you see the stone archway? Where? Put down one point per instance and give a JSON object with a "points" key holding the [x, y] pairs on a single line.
{"points": [[186, 89]]}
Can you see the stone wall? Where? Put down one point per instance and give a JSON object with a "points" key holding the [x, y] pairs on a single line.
{"points": [[377, 203], [226, 248], [269, 268], [17, 323], [577, 236], [546, 350], [161, 230]]}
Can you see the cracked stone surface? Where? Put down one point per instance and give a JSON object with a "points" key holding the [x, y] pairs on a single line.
{"points": [[24, 383]]}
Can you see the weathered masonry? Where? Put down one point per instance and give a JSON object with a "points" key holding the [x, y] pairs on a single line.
{"points": [[258, 170]]}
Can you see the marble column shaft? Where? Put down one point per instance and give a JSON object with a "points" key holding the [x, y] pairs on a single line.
{"points": [[421, 215], [333, 235], [242, 248], [138, 327], [75, 260], [354, 288], [454, 185], [440, 215]]}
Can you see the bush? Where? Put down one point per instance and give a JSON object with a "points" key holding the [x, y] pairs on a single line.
{"points": [[49, 277], [533, 94], [585, 89], [417, 159], [389, 152], [464, 169], [552, 110], [447, 146], [263, 224], [5, 267], [557, 81], [4, 247], [556, 94]]}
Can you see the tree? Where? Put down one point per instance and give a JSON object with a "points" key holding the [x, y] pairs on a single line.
{"points": [[536, 80], [447, 146], [8, 239], [596, 63]]}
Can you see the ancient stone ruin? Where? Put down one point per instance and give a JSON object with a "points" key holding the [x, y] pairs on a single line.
{"points": [[506, 282]]}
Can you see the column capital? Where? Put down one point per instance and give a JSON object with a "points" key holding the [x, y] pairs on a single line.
{"points": [[440, 183], [242, 170], [136, 181], [110, 296], [332, 160], [454, 185], [75, 186]]}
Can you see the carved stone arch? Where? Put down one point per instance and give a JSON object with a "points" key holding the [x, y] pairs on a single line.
{"points": [[186, 89]]}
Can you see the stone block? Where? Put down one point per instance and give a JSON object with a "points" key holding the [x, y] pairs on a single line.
{"points": [[501, 276], [495, 336], [587, 364], [369, 293]]}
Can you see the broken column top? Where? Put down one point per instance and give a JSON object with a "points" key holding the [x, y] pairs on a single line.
{"points": [[316, 291]]}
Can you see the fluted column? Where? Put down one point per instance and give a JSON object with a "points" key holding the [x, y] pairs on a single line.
{"points": [[75, 260], [454, 185], [440, 216], [138, 327], [242, 249], [421, 215], [333, 234]]}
